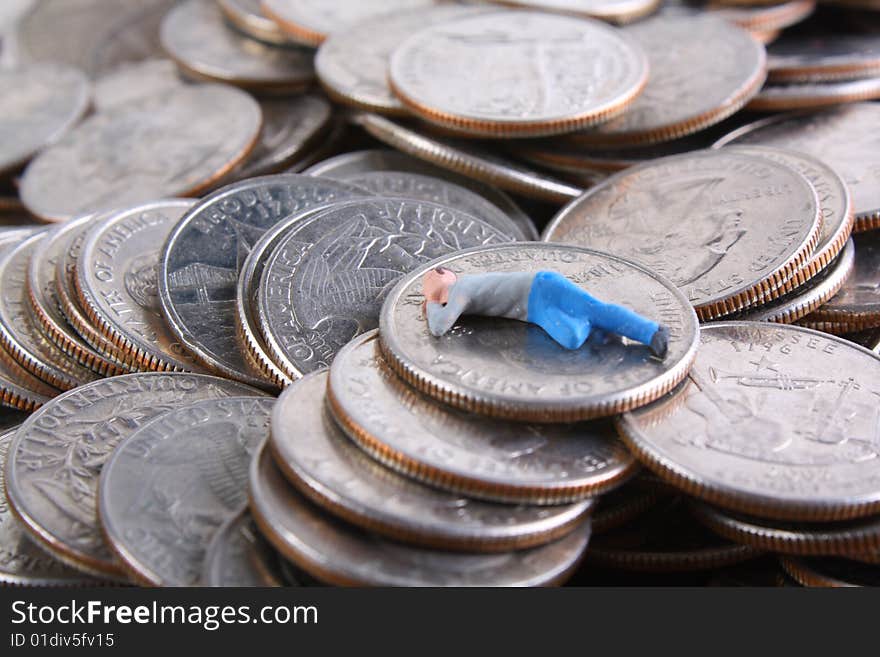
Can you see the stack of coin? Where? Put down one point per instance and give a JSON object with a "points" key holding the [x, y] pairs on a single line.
{"points": [[757, 434], [835, 136]]}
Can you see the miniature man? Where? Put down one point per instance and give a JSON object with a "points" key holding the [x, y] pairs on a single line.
{"points": [[546, 298]]}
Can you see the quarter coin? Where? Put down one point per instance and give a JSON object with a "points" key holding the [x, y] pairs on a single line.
{"points": [[703, 69], [525, 74], [117, 286], [842, 538], [168, 487], [320, 461], [56, 456], [40, 104], [813, 95], [775, 421], [337, 553], [729, 229], [514, 370], [166, 145], [325, 281], [465, 453], [46, 306], [820, 56], [65, 287], [195, 35], [20, 334], [467, 161], [843, 137], [203, 256]]}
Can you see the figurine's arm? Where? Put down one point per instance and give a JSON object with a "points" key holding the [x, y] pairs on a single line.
{"points": [[442, 317]]}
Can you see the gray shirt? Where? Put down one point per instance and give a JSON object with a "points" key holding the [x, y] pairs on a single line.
{"points": [[497, 294]]}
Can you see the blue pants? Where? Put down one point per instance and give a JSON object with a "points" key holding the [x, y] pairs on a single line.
{"points": [[568, 313]]}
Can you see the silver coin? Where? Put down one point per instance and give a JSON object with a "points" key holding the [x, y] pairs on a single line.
{"points": [[525, 74], [310, 21], [352, 64], [134, 83], [203, 45], [702, 70], [246, 16], [56, 457], [239, 556], [729, 229], [166, 145], [94, 36], [46, 306], [317, 457], [203, 256], [468, 161], [324, 283], [117, 285], [465, 453], [357, 163], [843, 137], [169, 486], [23, 563], [805, 299], [65, 287], [290, 128], [19, 331], [38, 106], [813, 95], [249, 335], [860, 536], [835, 201], [774, 421], [337, 553], [613, 11], [513, 369], [19, 388], [858, 302], [813, 57], [436, 190]]}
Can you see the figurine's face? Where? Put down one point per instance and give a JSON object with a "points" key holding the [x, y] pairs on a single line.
{"points": [[436, 284]]}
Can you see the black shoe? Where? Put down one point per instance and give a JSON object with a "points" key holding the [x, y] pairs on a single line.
{"points": [[660, 342]]}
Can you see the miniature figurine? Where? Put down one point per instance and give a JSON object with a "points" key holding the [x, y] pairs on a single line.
{"points": [[546, 298]]}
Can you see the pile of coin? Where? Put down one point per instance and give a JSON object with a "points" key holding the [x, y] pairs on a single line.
{"points": [[246, 195]]}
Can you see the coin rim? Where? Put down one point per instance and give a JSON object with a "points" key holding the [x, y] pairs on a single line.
{"points": [[828, 541]]}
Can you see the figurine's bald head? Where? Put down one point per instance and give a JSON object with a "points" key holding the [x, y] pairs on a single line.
{"points": [[436, 284]]}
